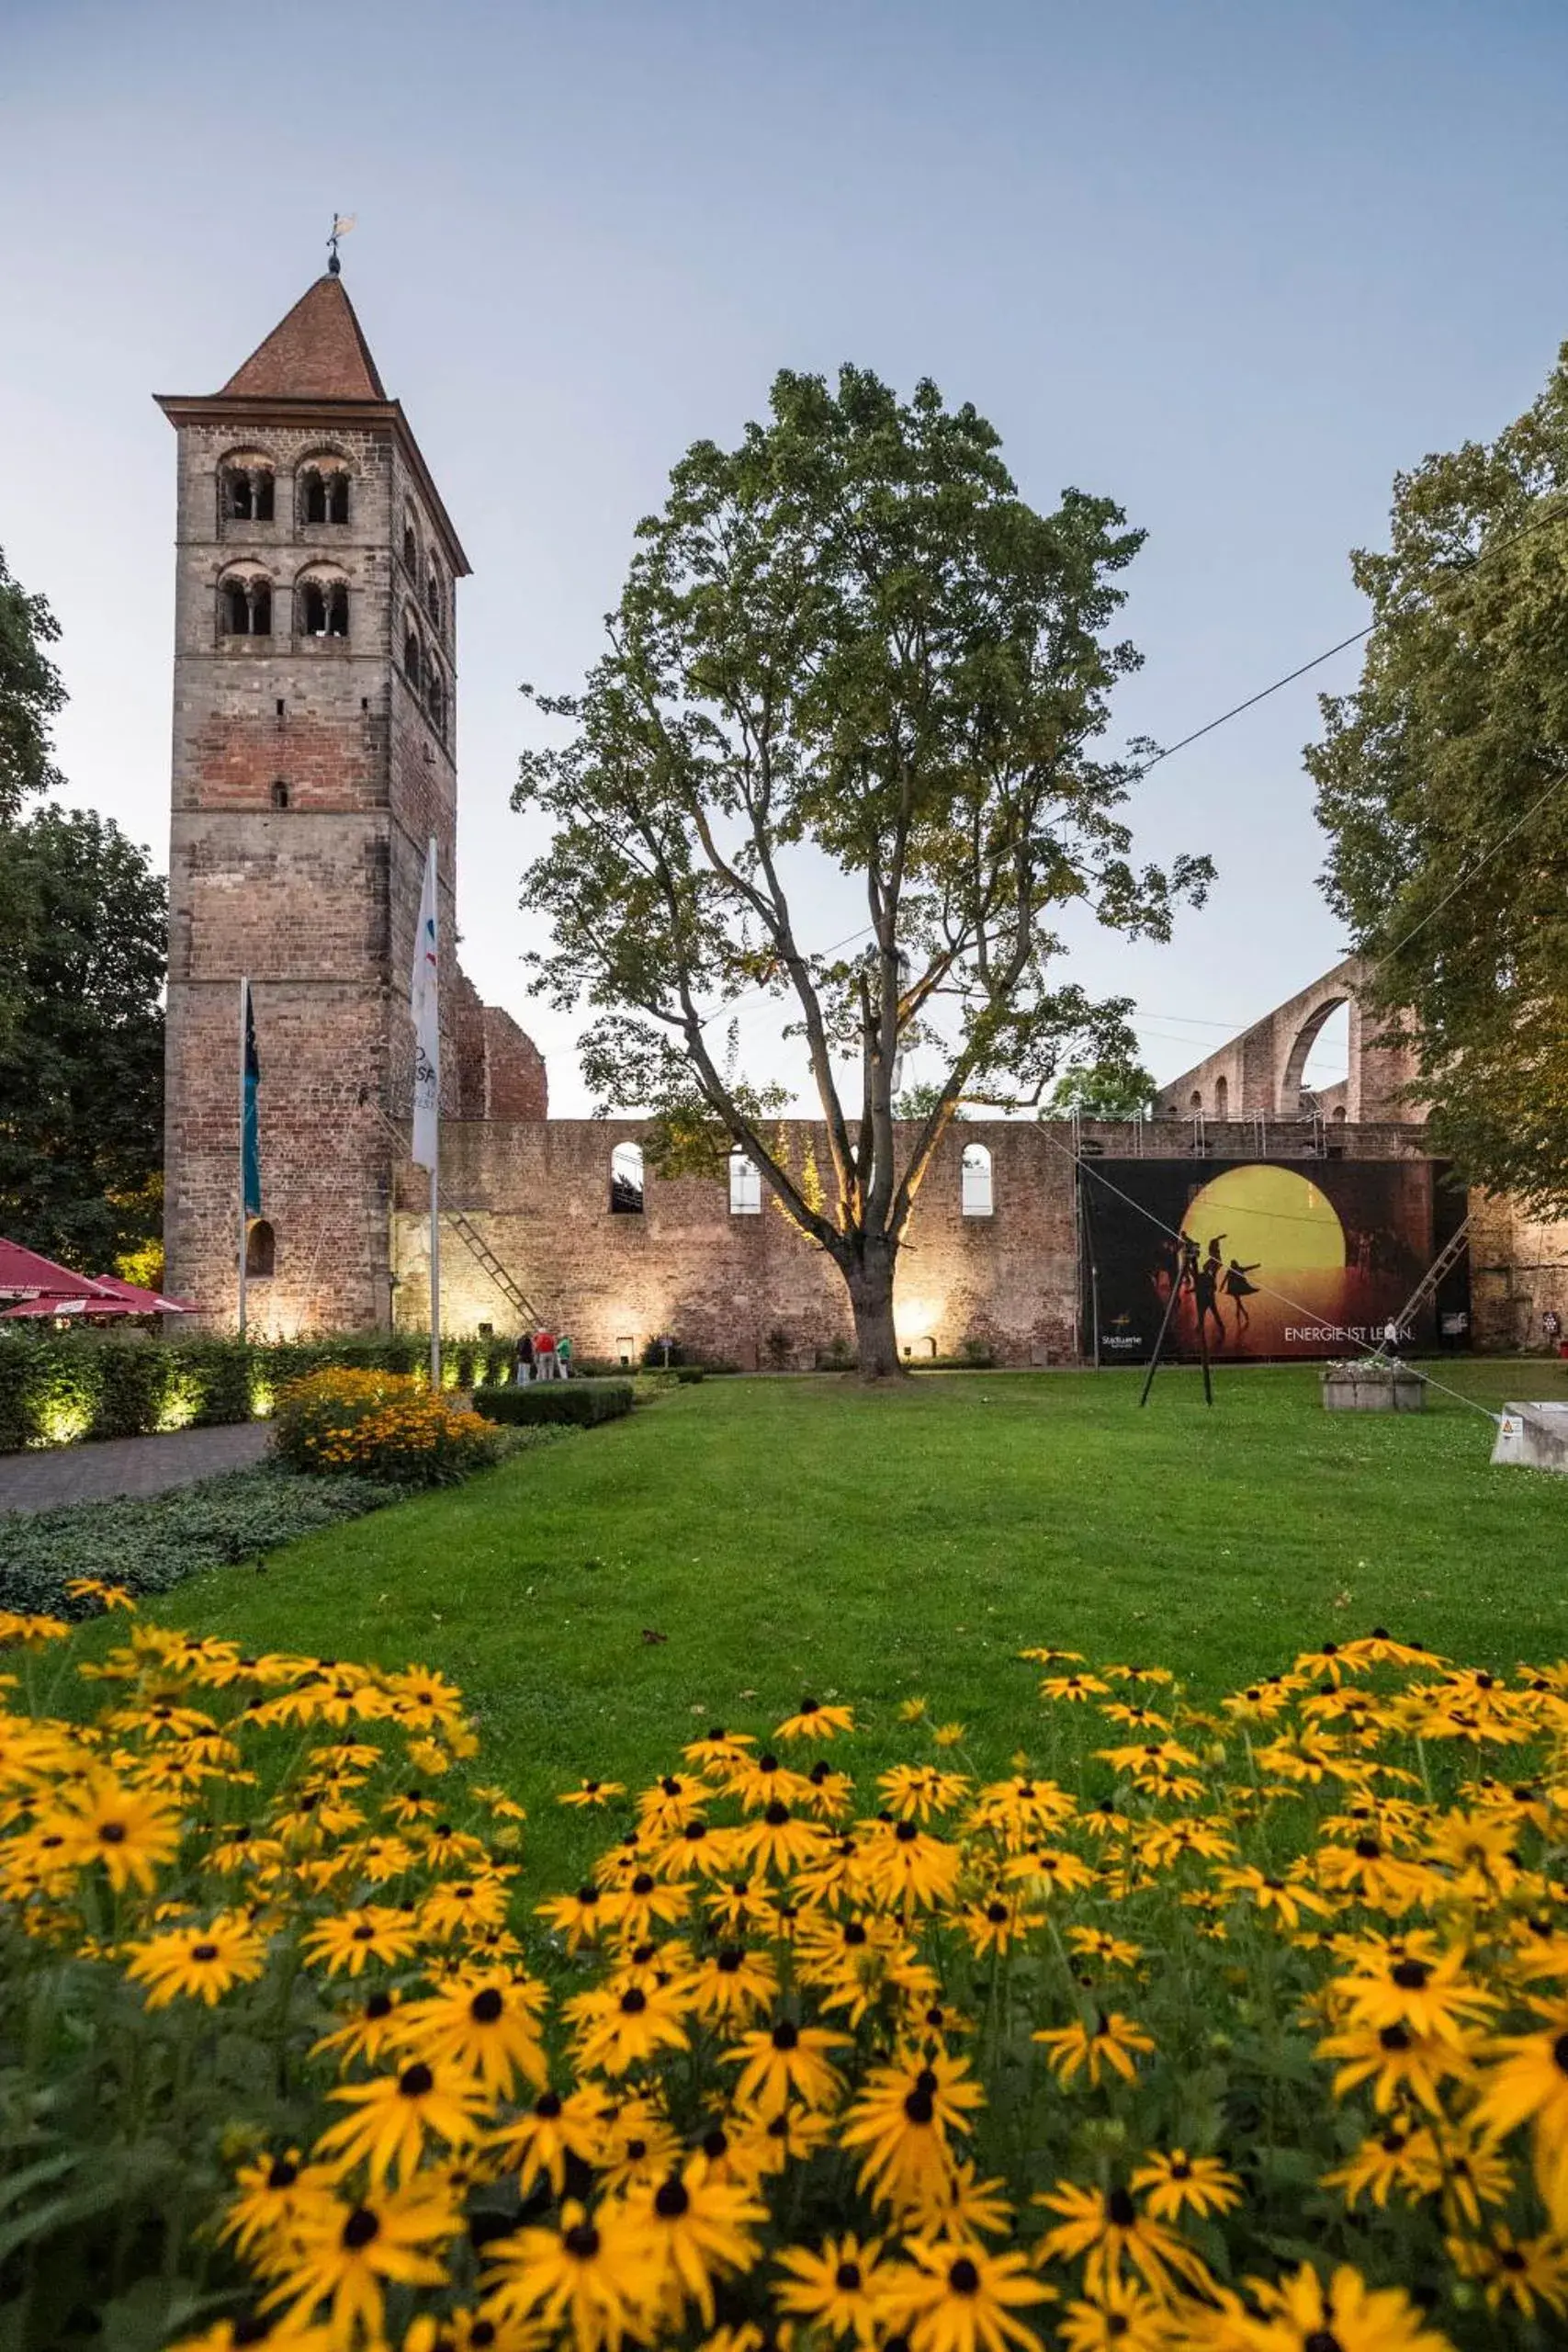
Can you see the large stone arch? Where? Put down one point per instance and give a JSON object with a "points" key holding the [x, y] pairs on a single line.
{"points": [[1258, 1073]]}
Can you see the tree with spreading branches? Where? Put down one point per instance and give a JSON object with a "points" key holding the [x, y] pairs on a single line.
{"points": [[845, 648]]}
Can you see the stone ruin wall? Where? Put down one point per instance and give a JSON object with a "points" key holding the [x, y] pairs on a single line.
{"points": [[751, 1290]]}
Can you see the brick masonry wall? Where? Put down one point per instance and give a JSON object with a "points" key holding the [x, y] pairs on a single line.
{"points": [[540, 1194], [317, 902], [1518, 1268]]}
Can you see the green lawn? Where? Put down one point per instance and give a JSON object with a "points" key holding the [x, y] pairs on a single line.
{"points": [[790, 1536]]}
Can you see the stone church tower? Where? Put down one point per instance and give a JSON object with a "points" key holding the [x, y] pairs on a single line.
{"points": [[313, 729]]}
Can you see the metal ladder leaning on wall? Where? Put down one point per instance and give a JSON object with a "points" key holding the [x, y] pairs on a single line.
{"points": [[1444, 1263], [505, 1282]]}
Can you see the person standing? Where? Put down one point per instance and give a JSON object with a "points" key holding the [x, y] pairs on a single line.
{"points": [[1391, 1337], [563, 1356], [524, 1359], [544, 1355]]}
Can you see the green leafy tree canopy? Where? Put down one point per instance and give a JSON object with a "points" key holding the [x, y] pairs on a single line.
{"points": [[1443, 786], [846, 640], [82, 1066], [31, 695], [1102, 1090]]}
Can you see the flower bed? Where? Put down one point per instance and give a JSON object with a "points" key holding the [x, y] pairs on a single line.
{"points": [[1242, 2028], [379, 1425]]}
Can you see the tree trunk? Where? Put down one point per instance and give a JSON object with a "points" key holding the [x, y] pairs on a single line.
{"points": [[871, 1298]]}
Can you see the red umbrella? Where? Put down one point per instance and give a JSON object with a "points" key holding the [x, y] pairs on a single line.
{"points": [[24, 1273], [143, 1302]]}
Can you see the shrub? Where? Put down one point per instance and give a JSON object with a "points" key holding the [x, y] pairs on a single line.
{"points": [[380, 1425], [1252, 2041], [689, 1375], [585, 1402], [149, 1544]]}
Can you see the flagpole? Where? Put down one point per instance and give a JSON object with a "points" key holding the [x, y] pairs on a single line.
{"points": [[435, 1171], [245, 1224]]}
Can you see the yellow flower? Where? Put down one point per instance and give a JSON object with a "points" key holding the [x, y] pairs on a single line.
{"points": [[961, 2298], [343, 2253], [486, 2023], [1124, 2317], [1177, 2181], [397, 2115], [1530, 2086], [105, 1820], [834, 2287], [204, 1963], [812, 1720], [697, 2229], [732, 1982], [1099, 1943], [902, 2118], [1520, 2271], [1303, 2315], [616, 2030], [269, 2194], [786, 2061], [349, 1941], [594, 2274], [536, 2143], [1106, 2229], [1112, 2039]]}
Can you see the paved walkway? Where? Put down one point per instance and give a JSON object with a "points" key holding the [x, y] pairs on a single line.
{"points": [[44, 1477]]}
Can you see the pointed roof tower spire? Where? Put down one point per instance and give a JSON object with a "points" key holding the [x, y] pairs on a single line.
{"points": [[318, 352]]}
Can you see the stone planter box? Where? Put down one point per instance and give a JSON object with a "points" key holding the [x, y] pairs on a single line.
{"points": [[1372, 1388]]}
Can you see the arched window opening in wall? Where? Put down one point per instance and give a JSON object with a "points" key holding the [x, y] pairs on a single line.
{"points": [[920, 1351], [1195, 1100], [261, 1251], [625, 1180], [1222, 1097], [244, 605], [413, 665], [323, 492], [974, 1183], [246, 490], [280, 793], [410, 547], [744, 1186], [433, 595], [324, 607], [435, 702], [1323, 1051]]}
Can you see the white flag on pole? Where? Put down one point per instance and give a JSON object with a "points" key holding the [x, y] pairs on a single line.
{"points": [[425, 1006]]}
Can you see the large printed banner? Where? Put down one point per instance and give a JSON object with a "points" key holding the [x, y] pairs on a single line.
{"points": [[1265, 1258]]}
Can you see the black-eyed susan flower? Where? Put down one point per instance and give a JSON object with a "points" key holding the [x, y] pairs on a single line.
{"points": [[617, 2030], [485, 2021], [732, 1983], [347, 1942], [103, 1818], [813, 1719], [581, 1918], [198, 1964], [903, 1864], [901, 2119], [364, 2033], [786, 2061], [593, 1793], [396, 2117], [956, 2204], [458, 1906], [696, 2230], [538, 2143], [268, 2194], [1091, 2045], [1530, 2086], [1099, 1943], [1399, 2065], [1174, 2183], [1104, 2229], [1520, 2272], [638, 2146], [341, 2254], [1124, 2317], [834, 2285], [992, 1924], [960, 2297], [1415, 1985], [594, 2276], [1306, 2312]]}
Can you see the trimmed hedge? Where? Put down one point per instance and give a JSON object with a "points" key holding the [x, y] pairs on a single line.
{"points": [[58, 1387], [583, 1402]]}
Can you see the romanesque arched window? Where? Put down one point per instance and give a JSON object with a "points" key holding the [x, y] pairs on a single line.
{"points": [[323, 489], [975, 1181], [627, 1180], [279, 794], [1222, 1098], [410, 545], [433, 595], [413, 663], [744, 1186], [244, 604], [435, 701], [322, 606], [261, 1251], [245, 487]]}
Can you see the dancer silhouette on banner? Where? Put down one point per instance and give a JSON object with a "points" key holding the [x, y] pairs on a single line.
{"points": [[1237, 1286]]}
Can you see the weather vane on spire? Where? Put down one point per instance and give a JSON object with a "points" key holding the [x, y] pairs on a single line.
{"points": [[342, 223]]}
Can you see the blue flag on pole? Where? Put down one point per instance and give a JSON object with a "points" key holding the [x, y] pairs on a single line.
{"points": [[249, 1135]]}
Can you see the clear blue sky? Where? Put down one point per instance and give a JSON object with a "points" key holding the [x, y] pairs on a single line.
{"points": [[1231, 264]]}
